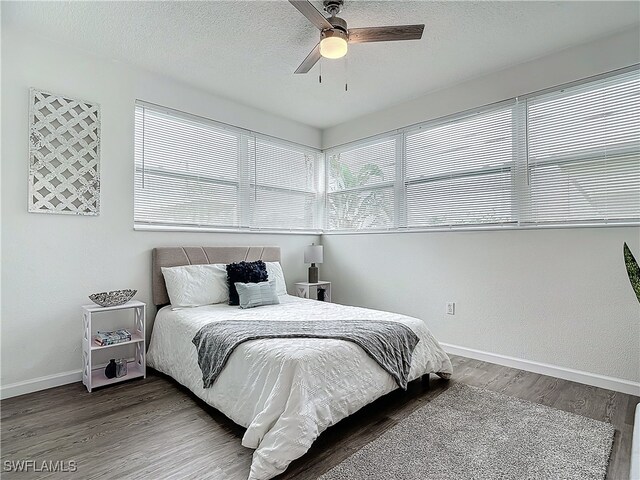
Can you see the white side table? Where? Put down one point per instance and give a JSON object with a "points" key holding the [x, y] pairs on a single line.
{"points": [[93, 375], [310, 290]]}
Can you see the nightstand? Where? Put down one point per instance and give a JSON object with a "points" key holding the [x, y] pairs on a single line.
{"points": [[93, 375], [310, 290]]}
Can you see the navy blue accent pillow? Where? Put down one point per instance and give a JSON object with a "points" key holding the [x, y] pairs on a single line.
{"points": [[244, 272]]}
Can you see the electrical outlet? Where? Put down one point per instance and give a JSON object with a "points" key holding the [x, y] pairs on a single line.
{"points": [[451, 308]]}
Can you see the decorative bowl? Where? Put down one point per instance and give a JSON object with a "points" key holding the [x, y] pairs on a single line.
{"points": [[112, 298]]}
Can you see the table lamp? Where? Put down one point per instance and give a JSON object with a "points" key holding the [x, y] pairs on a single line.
{"points": [[313, 254]]}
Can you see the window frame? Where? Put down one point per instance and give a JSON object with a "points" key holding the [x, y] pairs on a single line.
{"points": [[520, 168], [395, 185], [317, 159], [573, 158], [244, 184], [469, 172]]}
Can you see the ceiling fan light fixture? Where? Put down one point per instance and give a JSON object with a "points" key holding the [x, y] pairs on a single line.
{"points": [[333, 44], [335, 35]]}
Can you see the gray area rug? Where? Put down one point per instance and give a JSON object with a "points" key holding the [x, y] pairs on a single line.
{"points": [[471, 433]]}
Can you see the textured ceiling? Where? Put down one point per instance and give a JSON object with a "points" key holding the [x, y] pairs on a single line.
{"points": [[247, 50]]}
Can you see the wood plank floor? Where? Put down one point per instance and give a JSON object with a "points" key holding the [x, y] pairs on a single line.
{"points": [[156, 429]]}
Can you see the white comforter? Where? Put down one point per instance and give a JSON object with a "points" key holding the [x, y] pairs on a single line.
{"points": [[285, 391]]}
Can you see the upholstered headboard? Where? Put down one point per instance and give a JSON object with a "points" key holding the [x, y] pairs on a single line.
{"points": [[176, 256]]}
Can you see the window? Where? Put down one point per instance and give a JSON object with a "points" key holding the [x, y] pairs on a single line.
{"points": [[584, 153], [196, 173], [571, 156], [361, 186], [460, 172], [284, 189], [186, 172]]}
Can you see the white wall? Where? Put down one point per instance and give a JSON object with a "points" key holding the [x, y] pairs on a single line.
{"points": [[560, 297], [50, 263], [556, 296]]}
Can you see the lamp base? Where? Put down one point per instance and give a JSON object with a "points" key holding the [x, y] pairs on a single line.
{"points": [[313, 273]]}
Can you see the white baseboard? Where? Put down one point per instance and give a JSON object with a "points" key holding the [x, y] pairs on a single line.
{"points": [[40, 383], [579, 376]]}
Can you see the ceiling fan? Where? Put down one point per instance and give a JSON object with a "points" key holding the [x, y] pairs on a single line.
{"points": [[335, 36]]}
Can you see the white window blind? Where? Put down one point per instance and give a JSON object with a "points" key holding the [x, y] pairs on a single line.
{"points": [[361, 186], [584, 153], [571, 156], [460, 172], [186, 171], [196, 173], [564, 157], [284, 188]]}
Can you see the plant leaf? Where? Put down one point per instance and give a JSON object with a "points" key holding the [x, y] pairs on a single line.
{"points": [[633, 270]]}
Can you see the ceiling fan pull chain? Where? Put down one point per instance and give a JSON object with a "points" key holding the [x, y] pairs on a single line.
{"points": [[346, 74], [320, 76]]}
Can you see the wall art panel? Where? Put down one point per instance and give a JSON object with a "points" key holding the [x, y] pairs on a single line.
{"points": [[64, 155]]}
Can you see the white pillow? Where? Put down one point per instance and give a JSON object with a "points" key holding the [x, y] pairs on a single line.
{"points": [[195, 285], [274, 271]]}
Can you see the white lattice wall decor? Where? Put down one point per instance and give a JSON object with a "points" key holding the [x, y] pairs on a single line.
{"points": [[64, 155]]}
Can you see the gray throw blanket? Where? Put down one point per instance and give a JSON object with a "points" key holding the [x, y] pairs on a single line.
{"points": [[390, 344]]}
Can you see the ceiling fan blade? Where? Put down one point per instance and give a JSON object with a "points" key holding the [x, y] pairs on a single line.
{"points": [[385, 34], [310, 61], [312, 14]]}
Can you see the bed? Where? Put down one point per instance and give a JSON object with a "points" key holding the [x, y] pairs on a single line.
{"points": [[285, 392]]}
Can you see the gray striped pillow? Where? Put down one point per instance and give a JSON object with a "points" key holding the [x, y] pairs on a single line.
{"points": [[257, 294]]}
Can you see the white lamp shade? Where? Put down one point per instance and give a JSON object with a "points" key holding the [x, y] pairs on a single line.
{"points": [[333, 47], [313, 254]]}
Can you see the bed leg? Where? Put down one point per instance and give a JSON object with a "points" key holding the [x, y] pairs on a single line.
{"points": [[425, 380]]}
